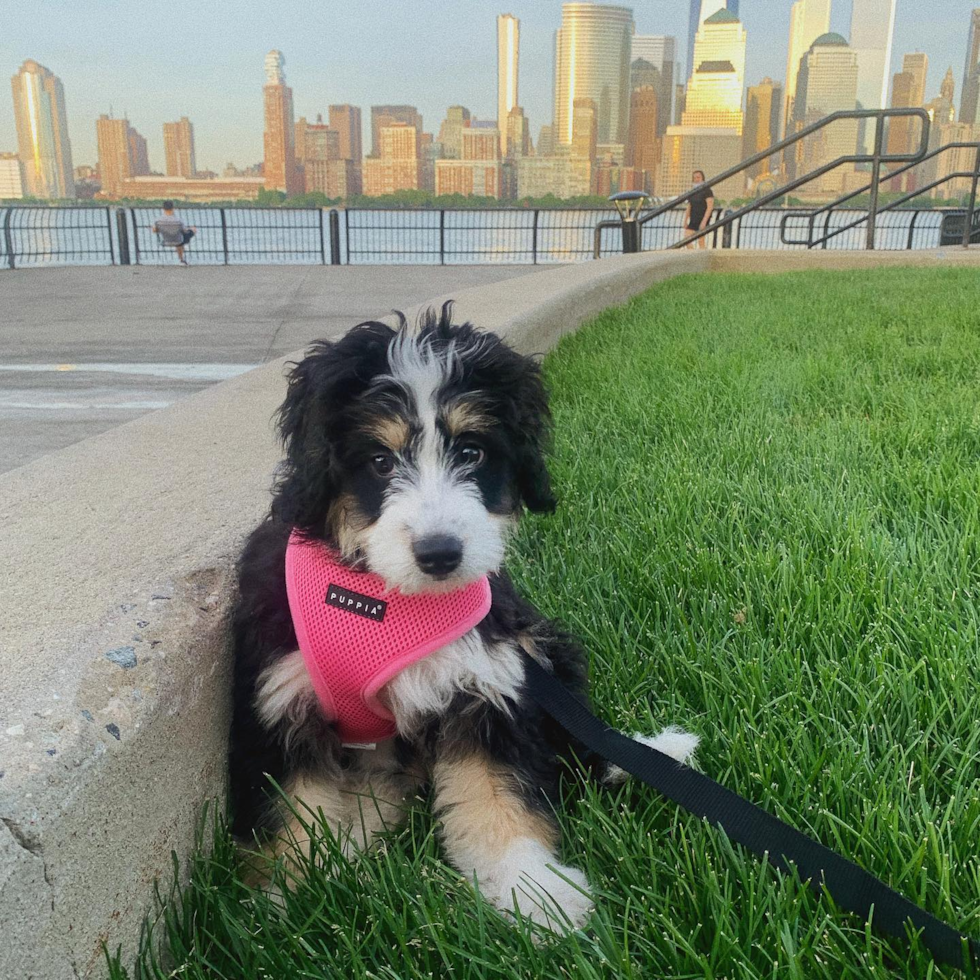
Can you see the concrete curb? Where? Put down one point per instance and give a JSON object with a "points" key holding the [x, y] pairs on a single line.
{"points": [[116, 566]]}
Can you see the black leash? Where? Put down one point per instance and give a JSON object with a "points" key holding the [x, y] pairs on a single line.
{"points": [[850, 886]]}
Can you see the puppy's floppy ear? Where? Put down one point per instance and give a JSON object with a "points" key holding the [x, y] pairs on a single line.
{"points": [[327, 379], [533, 439]]}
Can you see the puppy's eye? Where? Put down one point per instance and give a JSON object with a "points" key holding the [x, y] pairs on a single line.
{"points": [[383, 464], [470, 455]]}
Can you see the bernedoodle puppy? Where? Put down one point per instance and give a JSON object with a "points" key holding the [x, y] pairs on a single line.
{"points": [[377, 636]]}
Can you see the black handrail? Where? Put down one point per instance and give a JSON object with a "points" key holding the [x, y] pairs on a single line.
{"points": [[875, 158], [810, 243]]}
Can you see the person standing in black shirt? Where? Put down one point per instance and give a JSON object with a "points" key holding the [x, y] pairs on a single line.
{"points": [[699, 209]]}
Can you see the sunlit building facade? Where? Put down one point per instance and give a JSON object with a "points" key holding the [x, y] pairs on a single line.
{"points": [[178, 148], [700, 11], [396, 168], [279, 143], [908, 92], [122, 155], [592, 61], [508, 50], [392, 115], [42, 132], [714, 91]]}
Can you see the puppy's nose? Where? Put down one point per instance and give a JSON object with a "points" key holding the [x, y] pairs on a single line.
{"points": [[438, 554]]}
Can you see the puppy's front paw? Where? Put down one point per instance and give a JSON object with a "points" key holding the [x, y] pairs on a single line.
{"points": [[672, 741], [531, 880]]}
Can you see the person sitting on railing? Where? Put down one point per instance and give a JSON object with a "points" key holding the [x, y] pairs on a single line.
{"points": [[699, 209], [173, 231]]}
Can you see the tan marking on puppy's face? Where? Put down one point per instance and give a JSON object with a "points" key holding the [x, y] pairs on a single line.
{"points": [[346, 522], [392, 431], [465, 416]]}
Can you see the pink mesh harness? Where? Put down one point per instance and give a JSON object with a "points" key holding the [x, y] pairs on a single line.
{"points": [[356, 635]]}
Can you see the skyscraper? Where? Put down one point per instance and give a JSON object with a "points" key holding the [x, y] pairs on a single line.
{"points": [[762, 108], [139, 153], [808, 19], [714, 91], [508, 47], [280, 170], [827, 82], [970, 96], [660, 52], [518, 134], [592, 61], [346, 120], [396, 168], [122, 154], [178, 148], [643, 142], [700, 11], [392, 115], [451, 132], [908, 91], [42, 132], [872, 29]]}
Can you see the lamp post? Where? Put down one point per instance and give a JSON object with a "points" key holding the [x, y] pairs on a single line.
{"points": [[629, 205]]}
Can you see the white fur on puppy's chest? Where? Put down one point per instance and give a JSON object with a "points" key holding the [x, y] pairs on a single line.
{"points": [[492, 672]]}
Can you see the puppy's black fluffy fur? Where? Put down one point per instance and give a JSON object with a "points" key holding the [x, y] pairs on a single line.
{"points": [[333, 396]]}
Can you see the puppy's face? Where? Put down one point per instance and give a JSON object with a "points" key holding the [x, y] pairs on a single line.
{"points": [[413, 453]]}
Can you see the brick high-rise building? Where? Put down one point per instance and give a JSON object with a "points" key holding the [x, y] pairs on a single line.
{"points": [[122, 155], [323, 168], [280, 168], [391, 115], [42, 132], [642, 142], [396, 168], [178, 148], [346, 121], [139, 153], [763, 104], [908, 91], [478, 171]]}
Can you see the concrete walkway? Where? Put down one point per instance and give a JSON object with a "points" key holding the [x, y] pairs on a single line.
{"points": [[83, 350]]}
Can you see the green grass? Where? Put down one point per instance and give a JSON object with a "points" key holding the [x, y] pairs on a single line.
{"points": [[769, 534]]}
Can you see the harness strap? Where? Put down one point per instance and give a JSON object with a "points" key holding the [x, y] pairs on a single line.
{"points": [[851, 887]]}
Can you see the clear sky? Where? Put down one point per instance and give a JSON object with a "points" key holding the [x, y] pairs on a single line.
{"points": [[157, 61]]}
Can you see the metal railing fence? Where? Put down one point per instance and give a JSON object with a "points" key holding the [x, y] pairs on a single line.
{"points": [[32, 236]]}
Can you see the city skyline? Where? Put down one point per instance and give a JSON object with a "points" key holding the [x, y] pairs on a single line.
{"points": [[220, 100]]}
